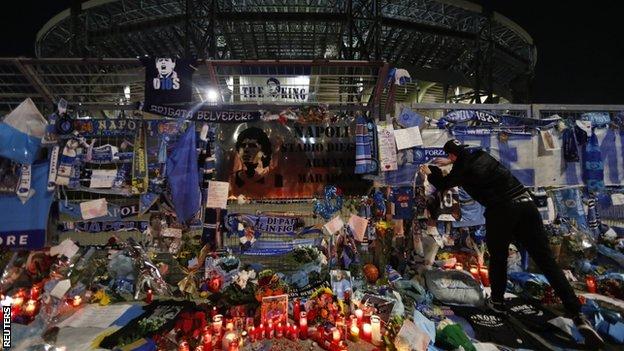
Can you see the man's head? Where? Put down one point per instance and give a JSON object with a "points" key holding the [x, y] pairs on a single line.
{"points": [[253, 146], [454, 149], [273, 85], [165, 65]]}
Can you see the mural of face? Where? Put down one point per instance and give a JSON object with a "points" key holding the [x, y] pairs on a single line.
{"points": [[249, 151], [165, 66]]}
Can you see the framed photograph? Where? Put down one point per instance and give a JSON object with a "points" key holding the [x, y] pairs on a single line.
{"points": [[341, 283], [275, 309], [372, 304]]}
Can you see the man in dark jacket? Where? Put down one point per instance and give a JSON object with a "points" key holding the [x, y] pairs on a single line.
{"points": [[510, 214]]}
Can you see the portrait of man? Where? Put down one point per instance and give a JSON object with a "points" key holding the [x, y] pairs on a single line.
{"points": [[167, 78], [255, 161], [273, 87]]}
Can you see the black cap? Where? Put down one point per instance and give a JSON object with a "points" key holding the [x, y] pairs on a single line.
{"points": [[454, 147]]}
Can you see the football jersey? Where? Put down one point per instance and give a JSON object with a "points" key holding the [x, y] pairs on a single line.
{"points": [[403, 200]]}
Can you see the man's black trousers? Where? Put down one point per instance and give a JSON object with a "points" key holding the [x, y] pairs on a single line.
{"points": [[521, 222]]}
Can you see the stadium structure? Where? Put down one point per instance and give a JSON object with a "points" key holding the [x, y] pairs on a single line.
{"points": [[454, 50]]}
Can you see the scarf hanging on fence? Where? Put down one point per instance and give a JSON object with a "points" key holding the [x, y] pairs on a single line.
{"points": [[140, 179], [593, 167], [365, 149]]}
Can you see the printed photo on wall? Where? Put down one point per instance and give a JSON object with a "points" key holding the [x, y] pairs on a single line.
{"points": [[275, 309], [341, 283]]}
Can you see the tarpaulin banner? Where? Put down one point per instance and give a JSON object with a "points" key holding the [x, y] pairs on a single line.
{"points": [[70, 211], [167, 80], [270, 160], [200, 113], [267, 224], [23, 225]]}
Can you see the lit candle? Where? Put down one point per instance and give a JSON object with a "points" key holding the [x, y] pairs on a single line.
{"points": [[233, 345], [228, 338], [270, 330], [76, 301], [294, 332], [252, 334], [229, 326], [353, 320], [279, 331], [296, 309], [335, 334], [217, 323], [459, 267], [303, 325], [354, 333], [18, 301], [376, 330], [360, 315], [184, 346], [474, 271], [590, 281], [485, 276], [199, 348], [207, 339], [30, 307], [213, 312], [261, 332], [366, 331], [34, 292], [149, 296]]}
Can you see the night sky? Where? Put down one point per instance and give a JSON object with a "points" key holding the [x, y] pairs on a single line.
{"points": [[580, 47]]}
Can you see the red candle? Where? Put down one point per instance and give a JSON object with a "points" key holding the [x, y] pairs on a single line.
{"points": [[279, 331], [260, 332], [296, 309], [474, 271], [303, 325], [17, 301], [149, 296], [184, 346], [34, 292], [294, 332], [207, 339], [31, 306], [485, 276], [270, 330], [213, 312], [360, 315], [76, 301], [335, 334], [590, 281], [367, 331], [252, 334]]}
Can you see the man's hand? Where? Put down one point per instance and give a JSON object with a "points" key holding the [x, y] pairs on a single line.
{"points": [[441, 161], [424, 169]]}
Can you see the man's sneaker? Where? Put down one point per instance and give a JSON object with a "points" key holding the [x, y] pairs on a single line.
{"points": [[591, 336], [498, 307]]}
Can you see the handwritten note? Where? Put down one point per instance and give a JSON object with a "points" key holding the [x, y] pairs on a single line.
{"points": [[95, 316], [407, 138], [94, 208], [387, 148], [217, 194], [66, 248], [358, 227], [334, 225]]}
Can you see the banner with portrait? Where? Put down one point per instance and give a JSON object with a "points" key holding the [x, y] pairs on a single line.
{"points": [[270, 160], [167, 81]]}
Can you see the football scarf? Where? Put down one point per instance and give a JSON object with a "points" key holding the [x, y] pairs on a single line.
{"points": [[23, 188], [53, 168], [140, 179]]}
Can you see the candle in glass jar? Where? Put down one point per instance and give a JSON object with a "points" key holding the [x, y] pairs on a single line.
{"points": [[30, 307], [485, 276], [474, 271], [260, 332], [296, 309], [375, 330], [207, 339], [252, 334], [303, 325], [459, 267], [294, 332], [149, 296], [184, 346], [76, 301], [217, 323], [335, 334], [353, 321], [354, 333], [17, 301], [590, 281], [228, 339], [279, 331], [367, 330], [359, 314], [270, 330]]}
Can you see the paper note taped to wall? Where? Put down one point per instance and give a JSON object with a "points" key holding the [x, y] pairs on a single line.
{"points": [[408, 138], [217, 194]]}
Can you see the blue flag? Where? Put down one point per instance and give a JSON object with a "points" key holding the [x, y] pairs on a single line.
{"points": [[183, 176], [23, 226]]}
